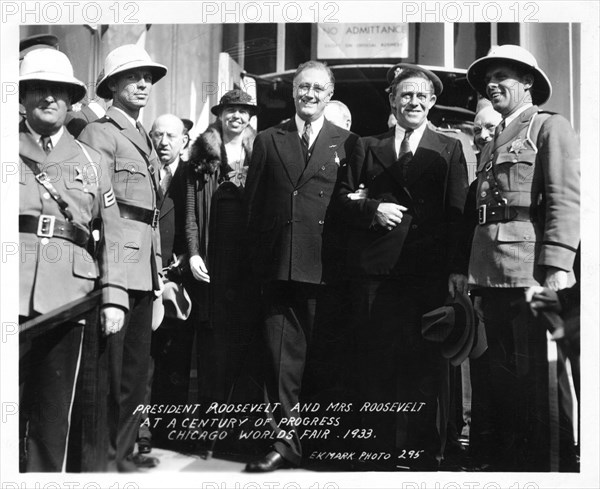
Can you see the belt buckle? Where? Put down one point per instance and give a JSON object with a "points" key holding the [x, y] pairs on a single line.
{"points": [[482, 214], [42, 177], [155, 218], [45, 227]]}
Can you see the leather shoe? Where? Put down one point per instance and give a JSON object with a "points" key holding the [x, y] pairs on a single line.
{"points": [[144, 462], [144, 446], [270, 462]]}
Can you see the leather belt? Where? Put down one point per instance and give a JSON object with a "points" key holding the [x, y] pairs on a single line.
{"points": [[47, 226], [503, 213], [147, 216]]}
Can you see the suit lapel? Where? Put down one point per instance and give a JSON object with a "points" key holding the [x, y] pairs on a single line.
{"points": [[129, 131], [430, 143], [385, 154], [287, 144], [515, 127], [29, 148], [141, 143], [166, 203], [325, 145]]}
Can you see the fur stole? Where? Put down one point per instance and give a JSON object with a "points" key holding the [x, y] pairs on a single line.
{"points": [[208, 155]]}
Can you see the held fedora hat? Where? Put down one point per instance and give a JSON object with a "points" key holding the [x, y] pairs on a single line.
{"points": [[51, 66], [401, 71], [237, 98], [513, 55], [123, 58], [453, 325]]}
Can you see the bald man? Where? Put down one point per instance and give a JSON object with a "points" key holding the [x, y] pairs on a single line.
{"points": [[339, 114], [170, 349]]}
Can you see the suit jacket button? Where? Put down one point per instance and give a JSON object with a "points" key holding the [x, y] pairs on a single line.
{"points": [[46, 195], [321, 193], [45, 241], [323, 167], [295, 193], [321, 222], [414, 226]]}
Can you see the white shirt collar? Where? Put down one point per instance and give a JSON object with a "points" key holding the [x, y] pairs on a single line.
{"points": [[413, 140], [37, 136], [173, 166], [316, 126], [127, 116], [516, 114]]}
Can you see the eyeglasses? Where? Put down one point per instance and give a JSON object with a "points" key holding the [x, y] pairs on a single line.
{"points": [[304, 88]]}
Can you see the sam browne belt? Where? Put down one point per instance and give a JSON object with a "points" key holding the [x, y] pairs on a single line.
{"points": [[47, 226], [147, 216]]}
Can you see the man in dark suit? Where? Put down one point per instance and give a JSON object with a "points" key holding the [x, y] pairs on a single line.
{"points": [[400, 254], [290, 182], [64, 187], [171, 351], [129, 75], [527, 235]]}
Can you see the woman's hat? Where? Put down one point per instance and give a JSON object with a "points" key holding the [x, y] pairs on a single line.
{"points": [[237, 98], [51, 65], [512, 55], [123, 58]]}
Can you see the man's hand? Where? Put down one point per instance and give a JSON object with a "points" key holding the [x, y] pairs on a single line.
{"points": [[542, 298], [457, 282], [361, 194], [389, 215], [556, 279], [199, 270], [111, 320]]}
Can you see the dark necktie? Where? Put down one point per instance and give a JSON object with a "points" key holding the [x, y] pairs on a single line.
{"points": [[405, 153], [46, 144], [500, 128], [165, 181], [306, 134]]}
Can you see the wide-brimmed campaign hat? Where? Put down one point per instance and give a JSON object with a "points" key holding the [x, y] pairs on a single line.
{"points": [[515, 55], [453, 325], [123, 58], [397, 70], [237, 98], [50, 65]]}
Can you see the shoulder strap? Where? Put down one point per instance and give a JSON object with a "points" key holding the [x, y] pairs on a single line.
{"points": [[92, 164], [42, 179]]}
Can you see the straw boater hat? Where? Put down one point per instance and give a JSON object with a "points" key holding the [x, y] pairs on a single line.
{"points": [[397, 70], [51, 66], [237, 98], [512, 55], [123, 58]]}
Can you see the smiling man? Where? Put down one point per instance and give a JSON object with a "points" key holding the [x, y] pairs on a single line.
{"points": [[402, 242], [129, 75], [289, 186], [528, 234]]}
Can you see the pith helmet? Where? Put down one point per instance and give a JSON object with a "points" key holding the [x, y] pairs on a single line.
{"points": [[516, 55], [50, 65], [123, 58]]}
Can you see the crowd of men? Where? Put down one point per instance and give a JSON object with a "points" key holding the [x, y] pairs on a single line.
{"points": [[433, 273]]}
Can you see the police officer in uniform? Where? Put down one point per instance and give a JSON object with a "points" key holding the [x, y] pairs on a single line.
{"points": [[129, 75], [64, 187], [527, 234]]}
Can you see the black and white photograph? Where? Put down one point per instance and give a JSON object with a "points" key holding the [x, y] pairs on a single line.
{"points": [[299, 244]]}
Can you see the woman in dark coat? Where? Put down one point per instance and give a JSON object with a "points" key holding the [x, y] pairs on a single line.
{"points": [[223, 296]]}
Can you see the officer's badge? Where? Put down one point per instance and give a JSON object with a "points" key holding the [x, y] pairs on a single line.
{"points": [[517, 146]]}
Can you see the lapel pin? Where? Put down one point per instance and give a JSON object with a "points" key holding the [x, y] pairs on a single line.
{"points": [[336, 159]]}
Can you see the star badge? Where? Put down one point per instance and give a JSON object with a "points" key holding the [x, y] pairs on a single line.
{"points": [[517, 146]]}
